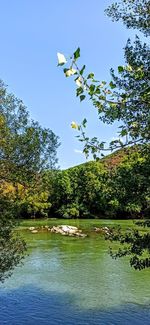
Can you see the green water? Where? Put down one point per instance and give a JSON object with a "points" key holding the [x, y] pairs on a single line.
{"points": [[80, 273]]}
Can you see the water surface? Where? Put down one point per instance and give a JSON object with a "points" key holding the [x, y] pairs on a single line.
{"points": [[67, 280]]}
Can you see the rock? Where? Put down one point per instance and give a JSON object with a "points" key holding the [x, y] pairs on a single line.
{"points": [[31, 228], [34, 231], [72, 231], [53, 229], [66, 230], [104, 230], [96, 229], [72, 227], [82, 235]]}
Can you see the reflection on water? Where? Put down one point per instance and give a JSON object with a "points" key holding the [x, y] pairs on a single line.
{"points": [[72, 281], [31, 306]]}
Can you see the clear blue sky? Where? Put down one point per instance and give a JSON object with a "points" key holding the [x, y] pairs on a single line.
{"points": [[32, 32]]}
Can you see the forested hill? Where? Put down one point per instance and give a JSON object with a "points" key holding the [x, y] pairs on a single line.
{"points": [[114, 159], [115, 186]]}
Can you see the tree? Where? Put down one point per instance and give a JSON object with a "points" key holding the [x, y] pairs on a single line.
{"points": [[129, 183], [62, 194], [26, 147], [89, 182], [133, 13], [117, 186], [25, 150], [12, 246], [124, 99], [35, 200]]}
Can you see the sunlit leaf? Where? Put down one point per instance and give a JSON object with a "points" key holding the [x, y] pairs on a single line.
{"points": [[77, 54], [61, 59]]}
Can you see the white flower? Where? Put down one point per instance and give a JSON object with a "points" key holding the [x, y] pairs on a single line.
{"points": [[70, 72], [61, 59]]}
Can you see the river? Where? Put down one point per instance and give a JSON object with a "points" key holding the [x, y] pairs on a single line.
{"points": [[74, 281]]}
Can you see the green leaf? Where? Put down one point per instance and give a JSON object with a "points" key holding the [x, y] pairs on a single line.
{"points": [[97, 91], [76, 54], [90, 76], [113, 105], [123, 133], [84, 122], [101, 145], [120, 69], [92, 88], [102, 97], [82, 70], [82, 97], [112, 85], [79, 91]]}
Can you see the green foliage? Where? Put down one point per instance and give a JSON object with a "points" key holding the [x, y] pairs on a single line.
{"points": [[116, 186], [133, 13], [135, 245], [76, 54], [35, 202], [69, 211], [130, 182], [12, 246], [25, 149], [126, 97]]}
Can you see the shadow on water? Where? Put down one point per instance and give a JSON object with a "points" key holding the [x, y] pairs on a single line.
{"points": [[29, 305]]}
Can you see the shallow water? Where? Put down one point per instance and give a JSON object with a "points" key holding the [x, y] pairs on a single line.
{"points": [[70, 281]]}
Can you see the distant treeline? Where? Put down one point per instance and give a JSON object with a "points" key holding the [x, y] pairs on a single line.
{"points": [[116, 186]]}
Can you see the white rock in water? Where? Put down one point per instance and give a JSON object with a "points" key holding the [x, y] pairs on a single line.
{"points": [[72, 227], [31, 228], [65, 228], [72, 231], [106, 228], [34, 231]]}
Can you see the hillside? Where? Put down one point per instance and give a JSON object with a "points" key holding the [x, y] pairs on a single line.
{"points": [[113, 159]]}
